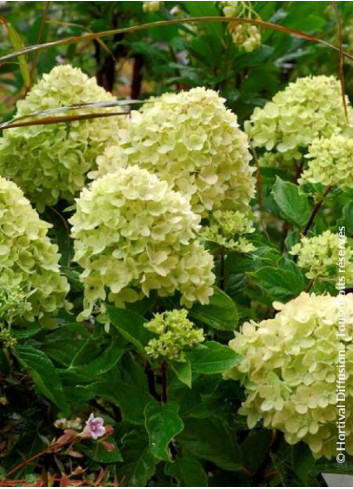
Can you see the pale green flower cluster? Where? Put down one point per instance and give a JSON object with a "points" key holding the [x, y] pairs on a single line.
{"points": [[151, 6], [319, 256], [226, 228], [306, 109], [29, 269], [330, 162], [191, 141], [176, 335], [133, 235], [14, 303], [290, 370], [246, 37], [49, 162]]}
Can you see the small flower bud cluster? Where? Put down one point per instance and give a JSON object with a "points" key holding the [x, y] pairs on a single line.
{"points": [[225, 228], [151, 6], [49, 162], [176, 335], [68, 424], [319, 257], [133, 235], [246, 37], [289, 370], [330, 162], [13, 303]]}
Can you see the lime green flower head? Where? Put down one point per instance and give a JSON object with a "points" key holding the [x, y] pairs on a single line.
{"points": [[193, 142], [306, 109], [49, 162], [226, 228], [319, 256], [31, 286], [133, 234], [290, 370], [176, 335], [330, 162]]}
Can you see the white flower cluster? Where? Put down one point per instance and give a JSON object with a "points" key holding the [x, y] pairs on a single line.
{"points": [[133, 234], [290, 369], [30, 279], [50, 162], [194, 143]]}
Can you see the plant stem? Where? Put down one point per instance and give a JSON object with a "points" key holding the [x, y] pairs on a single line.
{"points": [[316, 210], [222, 277], [164, 382]]}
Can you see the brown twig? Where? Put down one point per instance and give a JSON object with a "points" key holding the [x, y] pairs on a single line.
{"points": [[341, 59], [316, 210]]}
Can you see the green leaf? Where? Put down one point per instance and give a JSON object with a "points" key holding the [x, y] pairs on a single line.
{"points": [[255, 448], [17, 44], [221, 312], [188, 471], [209, 439], [279, 283], [129, 397], [293, 206], [95, 359], [183, 371], [97, 452], [302, 461], [43, 373], [139, 463], [212, 358], [347, 218], [131, 326], [162, 424]]}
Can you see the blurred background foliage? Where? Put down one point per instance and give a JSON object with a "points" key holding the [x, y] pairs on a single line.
{"points": [[174, 57]]}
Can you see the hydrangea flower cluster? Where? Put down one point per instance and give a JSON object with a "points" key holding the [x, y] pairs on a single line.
{"points": [[29, 262], [151, 6], [49, 162], [290, 368], [133, 234], [309, 108], [225, 228], [194, 143], [330, 162], [176, 335], [319, 256]]}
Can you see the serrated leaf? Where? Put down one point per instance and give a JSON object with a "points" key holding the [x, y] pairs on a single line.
{"points": [[188, 471], [131, 326], [162, 423], [183, 371], [221, 312], [209, 439], [279, 283], [43, 374], [212, 358], [293, 206]]}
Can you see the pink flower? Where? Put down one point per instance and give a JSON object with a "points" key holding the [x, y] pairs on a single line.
{"points": [[94, 427]]}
